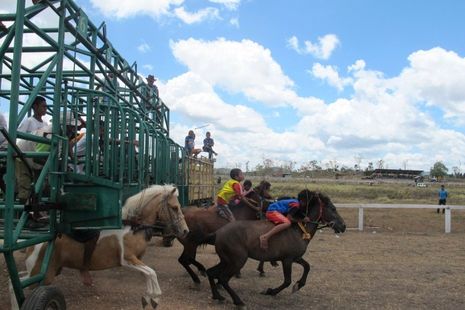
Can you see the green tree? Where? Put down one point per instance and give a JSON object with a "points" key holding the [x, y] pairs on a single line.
{"points": [[438, 170]]}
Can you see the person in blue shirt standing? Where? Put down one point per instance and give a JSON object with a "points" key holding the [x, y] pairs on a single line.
{"points": [[208, 144], [442, 197]]}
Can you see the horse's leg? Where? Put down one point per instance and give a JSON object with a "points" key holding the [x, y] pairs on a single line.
{"points": [[299, 284], [199, 266], [188, 257], [287, 271], [260, 268], [153, 292], [232, 269], [214, 273], [261, 264], [34, 260]]}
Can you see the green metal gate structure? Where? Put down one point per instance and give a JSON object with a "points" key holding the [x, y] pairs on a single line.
{"points": [[82, 76]]}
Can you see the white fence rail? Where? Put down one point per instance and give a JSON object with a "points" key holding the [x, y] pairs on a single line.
{"points": [[447, 218]]}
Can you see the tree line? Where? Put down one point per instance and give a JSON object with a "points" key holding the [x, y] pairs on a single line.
{"points": [[315, 168]]}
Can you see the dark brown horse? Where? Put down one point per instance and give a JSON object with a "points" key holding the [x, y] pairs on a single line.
{"points": [[237, 241], [203, 222]]}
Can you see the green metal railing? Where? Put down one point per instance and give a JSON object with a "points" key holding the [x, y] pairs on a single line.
{"points": [[127, 146]]}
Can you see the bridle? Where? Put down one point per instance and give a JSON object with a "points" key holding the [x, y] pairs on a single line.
{"points": [[173, 225], [158, 226], [320, 221]]}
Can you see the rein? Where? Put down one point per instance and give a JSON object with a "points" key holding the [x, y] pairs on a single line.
{"points": [[148, 229], [306, 235], [158, 226], [173, 223]]}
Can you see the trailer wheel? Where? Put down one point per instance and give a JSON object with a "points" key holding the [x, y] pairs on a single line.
{"points": [[45, 298]]}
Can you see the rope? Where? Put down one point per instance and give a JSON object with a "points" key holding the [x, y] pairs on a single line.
{"points": [[305, 234]]}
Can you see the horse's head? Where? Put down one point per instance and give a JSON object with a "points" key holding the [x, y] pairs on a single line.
{"points": [[171, 213], [260, 195], [154, 205], [263, 189], [319, 208]]}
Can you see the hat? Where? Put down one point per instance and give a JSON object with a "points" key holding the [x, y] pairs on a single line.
{"points": [[151, 77]]}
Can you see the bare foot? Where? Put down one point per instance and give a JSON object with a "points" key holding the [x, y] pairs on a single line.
{"points": [[263, 242], [86, 278]]}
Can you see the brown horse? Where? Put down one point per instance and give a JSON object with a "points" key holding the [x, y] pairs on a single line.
{"points": [[237, 241], [203, 222], [120, 247]]}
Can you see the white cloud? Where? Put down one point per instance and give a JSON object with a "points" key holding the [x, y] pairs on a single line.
{"points": [[229, 4], [148, 67], [161, 8], [196, 17], [234, 22], [322, 50], [144, 48], [293, 43], [436, 77], [238, 67], [129, 8], [330, 74], [384, 118]]}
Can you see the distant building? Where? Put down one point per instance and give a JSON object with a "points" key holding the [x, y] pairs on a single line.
{"points": [[396, 173]]}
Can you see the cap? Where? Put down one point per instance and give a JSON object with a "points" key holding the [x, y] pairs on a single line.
{"points": [[151, 77]]}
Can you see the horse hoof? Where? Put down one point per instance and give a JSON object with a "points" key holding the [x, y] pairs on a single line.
{"points": [[262, 274], [266, 292], [203, 273], [153, 303], [295, 288], [144, 302], [241, 307], [269, 292], [218, 298]]}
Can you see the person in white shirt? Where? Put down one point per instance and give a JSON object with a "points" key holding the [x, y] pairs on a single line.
{"points": [[4, 125], [35, 122]]}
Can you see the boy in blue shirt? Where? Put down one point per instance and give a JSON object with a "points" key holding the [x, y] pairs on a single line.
{"points": [[442, 197]]}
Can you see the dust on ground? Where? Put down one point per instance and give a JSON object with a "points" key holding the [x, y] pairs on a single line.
{"points": [[403, 260]]}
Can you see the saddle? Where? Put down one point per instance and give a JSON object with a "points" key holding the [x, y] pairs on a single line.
{"points": [[84, 236]]}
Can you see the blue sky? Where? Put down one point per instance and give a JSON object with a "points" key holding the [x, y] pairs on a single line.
{"points": [[295, 81]]}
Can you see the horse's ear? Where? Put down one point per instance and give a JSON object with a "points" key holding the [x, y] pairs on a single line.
{"points": [[173, 191]]}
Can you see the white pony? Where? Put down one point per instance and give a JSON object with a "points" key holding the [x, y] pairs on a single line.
{"points": [[120, 247]]}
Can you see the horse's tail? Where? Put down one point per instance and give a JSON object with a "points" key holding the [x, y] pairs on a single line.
{"points": [[199, 237], [210, 239]]}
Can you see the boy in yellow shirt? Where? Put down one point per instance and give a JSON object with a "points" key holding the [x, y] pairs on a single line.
{"points": [[230, 191]]}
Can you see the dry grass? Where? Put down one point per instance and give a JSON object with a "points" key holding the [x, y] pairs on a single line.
{"points": [[368, 191]]}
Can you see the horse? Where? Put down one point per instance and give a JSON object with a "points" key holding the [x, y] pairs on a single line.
{"points": [[238, 241], [120, 247], [202, 222]]}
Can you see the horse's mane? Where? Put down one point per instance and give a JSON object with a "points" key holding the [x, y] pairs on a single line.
{"points": [[310, 196], [136, 203]]}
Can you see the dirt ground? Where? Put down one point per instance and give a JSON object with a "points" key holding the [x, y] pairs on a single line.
{"points": [[402, 260]]}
